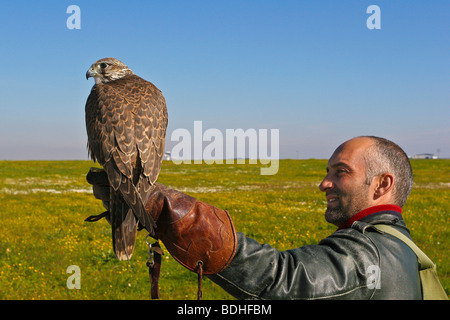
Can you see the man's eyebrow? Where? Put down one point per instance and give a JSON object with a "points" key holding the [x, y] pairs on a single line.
{"points": [[339, 164]]}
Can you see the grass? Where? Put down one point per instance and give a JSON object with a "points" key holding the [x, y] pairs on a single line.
{"points": [[44, 204]]}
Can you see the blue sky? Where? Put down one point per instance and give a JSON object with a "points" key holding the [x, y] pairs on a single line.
{"points": [[311, 69]]}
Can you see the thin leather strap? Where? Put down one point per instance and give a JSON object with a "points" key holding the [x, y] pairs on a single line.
{"points": [[154, 268]]}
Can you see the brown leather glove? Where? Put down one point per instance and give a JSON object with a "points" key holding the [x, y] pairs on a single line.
{"points": [[192, 231]]}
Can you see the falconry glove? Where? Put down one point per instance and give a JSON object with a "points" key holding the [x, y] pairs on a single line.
{"points": [[196, 234]]}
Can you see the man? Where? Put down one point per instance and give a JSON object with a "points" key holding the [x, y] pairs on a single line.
{"points": [[367, 183]]}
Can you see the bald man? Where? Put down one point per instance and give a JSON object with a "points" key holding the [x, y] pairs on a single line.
{"points": [[367, 183]]}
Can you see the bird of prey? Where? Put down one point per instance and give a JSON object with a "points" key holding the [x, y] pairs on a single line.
{"points": [[126, 122]]}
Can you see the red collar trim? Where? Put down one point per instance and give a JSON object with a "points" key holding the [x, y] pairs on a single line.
{"points": [[369, 211]]}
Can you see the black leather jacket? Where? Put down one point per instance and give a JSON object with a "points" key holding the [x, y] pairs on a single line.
{"points": [[353, 263]]}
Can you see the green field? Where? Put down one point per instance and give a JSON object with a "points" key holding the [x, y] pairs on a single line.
{"points": [[44, 204]]}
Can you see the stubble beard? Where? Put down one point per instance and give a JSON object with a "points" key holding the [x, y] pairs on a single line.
{"points": [[336, 216], [339, 214]]}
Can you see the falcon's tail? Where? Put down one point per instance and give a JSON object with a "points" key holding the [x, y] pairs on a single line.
{"points": [[131, 196], [124, 227]]}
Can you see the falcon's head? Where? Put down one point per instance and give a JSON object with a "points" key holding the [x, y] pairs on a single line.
{"points": [[107, 69]]}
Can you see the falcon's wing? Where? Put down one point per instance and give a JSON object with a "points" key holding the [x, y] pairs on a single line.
{"points": [[150, 128]]}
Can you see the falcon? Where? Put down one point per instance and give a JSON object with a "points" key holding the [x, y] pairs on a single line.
{"points": [[126, 122]]}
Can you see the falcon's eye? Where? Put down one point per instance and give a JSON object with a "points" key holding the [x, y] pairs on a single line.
{"points": [[103, 65]]}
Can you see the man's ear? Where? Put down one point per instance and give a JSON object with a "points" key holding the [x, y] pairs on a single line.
{"points": [[385, 184]]}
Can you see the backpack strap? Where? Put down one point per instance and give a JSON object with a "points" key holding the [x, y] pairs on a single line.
{"points": [[425, 262], [431, 286]]}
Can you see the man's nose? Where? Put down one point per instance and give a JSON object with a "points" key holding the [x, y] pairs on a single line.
{"points": [[325, 184]]}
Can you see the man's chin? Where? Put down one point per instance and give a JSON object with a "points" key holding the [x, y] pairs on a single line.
{"points": [[335, 216]]}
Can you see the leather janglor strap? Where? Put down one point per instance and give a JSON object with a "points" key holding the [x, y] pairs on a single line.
{"points": [[200, 278], [154, 268]]}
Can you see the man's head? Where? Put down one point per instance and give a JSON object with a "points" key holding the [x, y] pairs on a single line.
{"points": [[364, 172]]}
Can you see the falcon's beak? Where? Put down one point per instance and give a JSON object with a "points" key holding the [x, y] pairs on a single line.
{"points": [[90, 73]]}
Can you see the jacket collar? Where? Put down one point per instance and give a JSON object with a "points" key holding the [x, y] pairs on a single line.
{"points": [[372, 212]]}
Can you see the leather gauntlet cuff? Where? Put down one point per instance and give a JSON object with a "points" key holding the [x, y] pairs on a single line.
{"points": [[192, 231]]}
